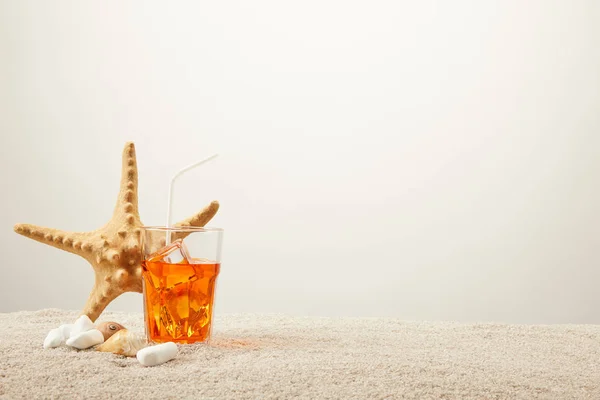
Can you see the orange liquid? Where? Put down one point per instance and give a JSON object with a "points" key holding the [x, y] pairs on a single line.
{"points": [[179, 300]]}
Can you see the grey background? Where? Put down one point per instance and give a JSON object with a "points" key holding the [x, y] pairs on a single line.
{"points": [[426, 160]]}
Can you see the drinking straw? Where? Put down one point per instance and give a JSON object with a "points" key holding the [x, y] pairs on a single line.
{"points": [[171, 185]]}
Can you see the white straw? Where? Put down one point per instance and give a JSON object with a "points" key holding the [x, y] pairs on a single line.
{"points": [[170, 200]]}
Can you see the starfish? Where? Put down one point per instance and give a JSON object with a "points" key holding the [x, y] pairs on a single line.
{"points": [[114, 250]]}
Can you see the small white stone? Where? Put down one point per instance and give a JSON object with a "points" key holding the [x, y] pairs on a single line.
{"points": [[54, 339], [155, 355], [86, 339], [83, 324], [66, 330]]}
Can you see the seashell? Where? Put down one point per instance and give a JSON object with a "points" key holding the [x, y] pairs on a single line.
{"points": [[109, 328], [124, 342]]}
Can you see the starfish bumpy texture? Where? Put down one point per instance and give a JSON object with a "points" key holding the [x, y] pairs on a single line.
{"points": [[114, 250]]}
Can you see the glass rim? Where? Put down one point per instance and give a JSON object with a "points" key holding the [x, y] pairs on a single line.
{"points": [[181, 229]]}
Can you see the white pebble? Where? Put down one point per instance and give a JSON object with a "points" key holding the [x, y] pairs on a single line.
{"points": [[66, 330], [86, 339], [57, 336], [83, 324], [158, 354], [54, 339]]}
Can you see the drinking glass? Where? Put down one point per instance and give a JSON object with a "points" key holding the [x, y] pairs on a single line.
{"points": [[180, 269]]}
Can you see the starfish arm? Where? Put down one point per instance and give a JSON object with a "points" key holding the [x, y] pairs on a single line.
{"points": [[200, 219], [127, 201], [74, 242], [109, 285], [101, 295]]}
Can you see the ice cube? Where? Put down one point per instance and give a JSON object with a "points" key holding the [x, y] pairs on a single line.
{"points": [[175, 253], [167, 321], [170, 266], [153, 279], [178, 274], [199, 313], [175, 312]]}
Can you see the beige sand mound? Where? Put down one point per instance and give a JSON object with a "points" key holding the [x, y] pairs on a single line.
{"points": [[266, 356]]}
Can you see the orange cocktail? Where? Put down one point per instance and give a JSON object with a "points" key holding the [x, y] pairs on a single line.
{"points": [[179, 290], [179, 300]]}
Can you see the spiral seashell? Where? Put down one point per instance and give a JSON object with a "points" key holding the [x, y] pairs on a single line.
{"points": [[124, 342], [109, 328]]}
